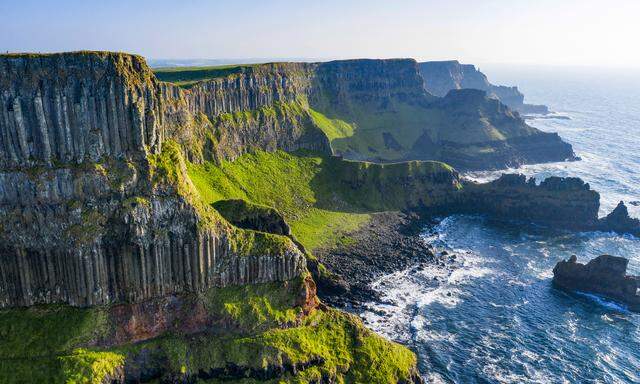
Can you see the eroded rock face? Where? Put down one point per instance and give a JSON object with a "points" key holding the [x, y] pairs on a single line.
{"points": [[443, 76], [605, 275]]}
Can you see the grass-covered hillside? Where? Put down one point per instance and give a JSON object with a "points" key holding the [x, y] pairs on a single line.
{"points": [[322, 198], [262, 336]]}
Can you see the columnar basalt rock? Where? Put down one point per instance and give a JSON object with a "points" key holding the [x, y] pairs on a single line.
{"points": [[70, 108], [87, 216]]}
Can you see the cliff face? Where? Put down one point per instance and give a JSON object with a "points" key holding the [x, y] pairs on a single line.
{"points": [[374, 110], [70, 108], [92, 210], [443, 76], [260, 107]]}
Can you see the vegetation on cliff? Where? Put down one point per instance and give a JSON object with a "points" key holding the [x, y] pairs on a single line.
{"points": [[263, 335], [381, 112], [320, 197]]}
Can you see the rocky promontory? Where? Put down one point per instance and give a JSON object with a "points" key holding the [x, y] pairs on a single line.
{"points": [[443, 76], [605, 275]]}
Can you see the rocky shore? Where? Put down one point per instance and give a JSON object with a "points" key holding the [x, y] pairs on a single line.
{"points": [[388, 243]]}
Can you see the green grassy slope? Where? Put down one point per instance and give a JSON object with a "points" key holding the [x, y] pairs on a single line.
{"points": [[321, 198], [45, 344], [286, 182], [188, 76]]}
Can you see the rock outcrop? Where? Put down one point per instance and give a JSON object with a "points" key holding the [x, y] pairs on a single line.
{"points": [[443, 76], [562, 202], [620, 221], [479, 132], [605, 275]]}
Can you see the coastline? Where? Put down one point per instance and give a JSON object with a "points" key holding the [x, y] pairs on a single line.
{"points": [[390, 242]]}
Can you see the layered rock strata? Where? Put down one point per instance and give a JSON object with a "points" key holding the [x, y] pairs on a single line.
{"points": [[605, 275]]}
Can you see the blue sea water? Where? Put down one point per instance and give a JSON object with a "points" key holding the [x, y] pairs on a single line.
{"points": [[496, 318]]}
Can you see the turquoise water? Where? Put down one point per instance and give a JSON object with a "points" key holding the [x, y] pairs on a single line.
{"points": [[496, 318]]}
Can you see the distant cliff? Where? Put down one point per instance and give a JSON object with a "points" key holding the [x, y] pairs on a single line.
{"points": [[375, 110], [443, 76]]}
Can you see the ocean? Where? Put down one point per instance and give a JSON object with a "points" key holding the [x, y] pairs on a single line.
{"points": [[496, 318]]}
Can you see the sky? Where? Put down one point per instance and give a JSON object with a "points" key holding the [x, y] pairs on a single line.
{"points": [[539, 32]]}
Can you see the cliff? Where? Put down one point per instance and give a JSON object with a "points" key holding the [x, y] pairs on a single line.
{"points": [[106, 241], [443, 76], [87, 193], [371, 110]]}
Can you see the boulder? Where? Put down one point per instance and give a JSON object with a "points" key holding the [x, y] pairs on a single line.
{"points": [[605, 275]]}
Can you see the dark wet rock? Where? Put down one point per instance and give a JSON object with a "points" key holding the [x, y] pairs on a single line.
{"points": [[605, 275], [389, 243], [620, 221], [564, 202]]}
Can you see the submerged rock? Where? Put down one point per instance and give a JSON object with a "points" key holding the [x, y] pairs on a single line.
{"points": [[605, 275]]}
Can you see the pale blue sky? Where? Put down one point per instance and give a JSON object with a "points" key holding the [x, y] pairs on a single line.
{"points": [[564, 32]]}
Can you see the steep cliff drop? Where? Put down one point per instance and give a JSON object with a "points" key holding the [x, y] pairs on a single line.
{"points": [[121, 261], [443, 76], [113, 268], [378, 110]]}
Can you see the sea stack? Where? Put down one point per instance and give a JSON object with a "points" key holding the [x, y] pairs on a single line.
{"points": [[605, 275]]}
